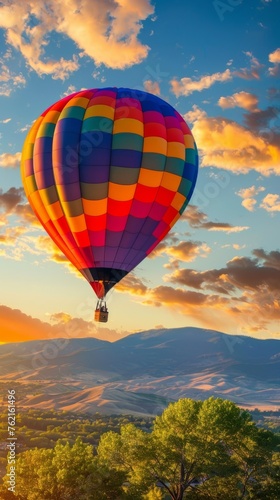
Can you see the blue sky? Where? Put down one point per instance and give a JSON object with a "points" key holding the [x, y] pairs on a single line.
{"points": [[218, 64]]}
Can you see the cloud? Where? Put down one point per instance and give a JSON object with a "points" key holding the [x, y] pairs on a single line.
{"points": [[244, 100], [250, 73], [132, 284], [107, 32], [186, 86], [245, 292], [152, 87], [8, 79], [225, 144], [199, 220], [13, 202], [7, 120], [17, 326], [248, 195], [184, 251], [9, 160], [259, 118], [195, 114], [274, 57], [242, 296], [271, 203], [11, 198]]}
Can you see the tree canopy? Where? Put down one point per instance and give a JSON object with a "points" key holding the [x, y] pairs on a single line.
{"points": [[196, 450]]}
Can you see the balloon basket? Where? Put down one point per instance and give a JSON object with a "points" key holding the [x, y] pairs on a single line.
{"points": [[101, 312]]}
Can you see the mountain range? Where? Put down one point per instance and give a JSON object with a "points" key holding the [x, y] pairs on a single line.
{"points": [[141, 373]]}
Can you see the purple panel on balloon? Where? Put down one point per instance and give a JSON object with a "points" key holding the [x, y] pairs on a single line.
{"points": [[95, 139], [64, 174], [113, 239], [126, 158], [44, 178], [143, 242], [94, 174], [94, 157], [149, 226], [110, 254], [68, 125], [134, 224], [28, 167], [42, 162], [122, 254], [98, 253], [128, 239], [43, 145]]}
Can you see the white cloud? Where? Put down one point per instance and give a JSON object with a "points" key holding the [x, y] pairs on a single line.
{"points": [[186, 86], [6, 120], [8, 160]]}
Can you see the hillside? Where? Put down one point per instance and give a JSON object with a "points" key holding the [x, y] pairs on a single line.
{"points": [[142, 372]]}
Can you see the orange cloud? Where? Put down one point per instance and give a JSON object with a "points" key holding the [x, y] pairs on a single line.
{"points": [[186, 86], [225, 144], [152, 87], [195, 114], [274, 57], [242, 99], [107, 32], [248, 195], [271, 203], [250, 73], [17, 326], [243, 296]]}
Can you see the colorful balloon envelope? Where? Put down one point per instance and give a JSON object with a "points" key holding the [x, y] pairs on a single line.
{"points": [[108, 172]]}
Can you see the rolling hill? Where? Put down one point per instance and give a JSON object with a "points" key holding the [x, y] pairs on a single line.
{"points": [[141, 373]]}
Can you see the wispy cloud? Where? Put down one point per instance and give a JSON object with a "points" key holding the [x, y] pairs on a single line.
{"points": [[253, 72], [199, 220], [186, 86], [8, 79]]}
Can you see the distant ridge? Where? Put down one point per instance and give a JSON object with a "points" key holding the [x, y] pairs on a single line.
{"points": [[164, 364]]}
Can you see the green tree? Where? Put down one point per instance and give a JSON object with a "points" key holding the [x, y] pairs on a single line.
{"points": [[64, 473], [209, 449]]}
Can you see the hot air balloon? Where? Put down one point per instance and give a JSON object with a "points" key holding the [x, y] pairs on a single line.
{"points": [[108, 172]]}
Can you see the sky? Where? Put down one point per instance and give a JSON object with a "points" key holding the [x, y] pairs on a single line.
{"points": [[218, 63]]}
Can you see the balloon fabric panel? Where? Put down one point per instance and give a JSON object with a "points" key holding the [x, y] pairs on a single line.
{"points": [[108, 172]]}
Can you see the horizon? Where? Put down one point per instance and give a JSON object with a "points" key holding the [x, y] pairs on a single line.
{"points": [[219, 267]]}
